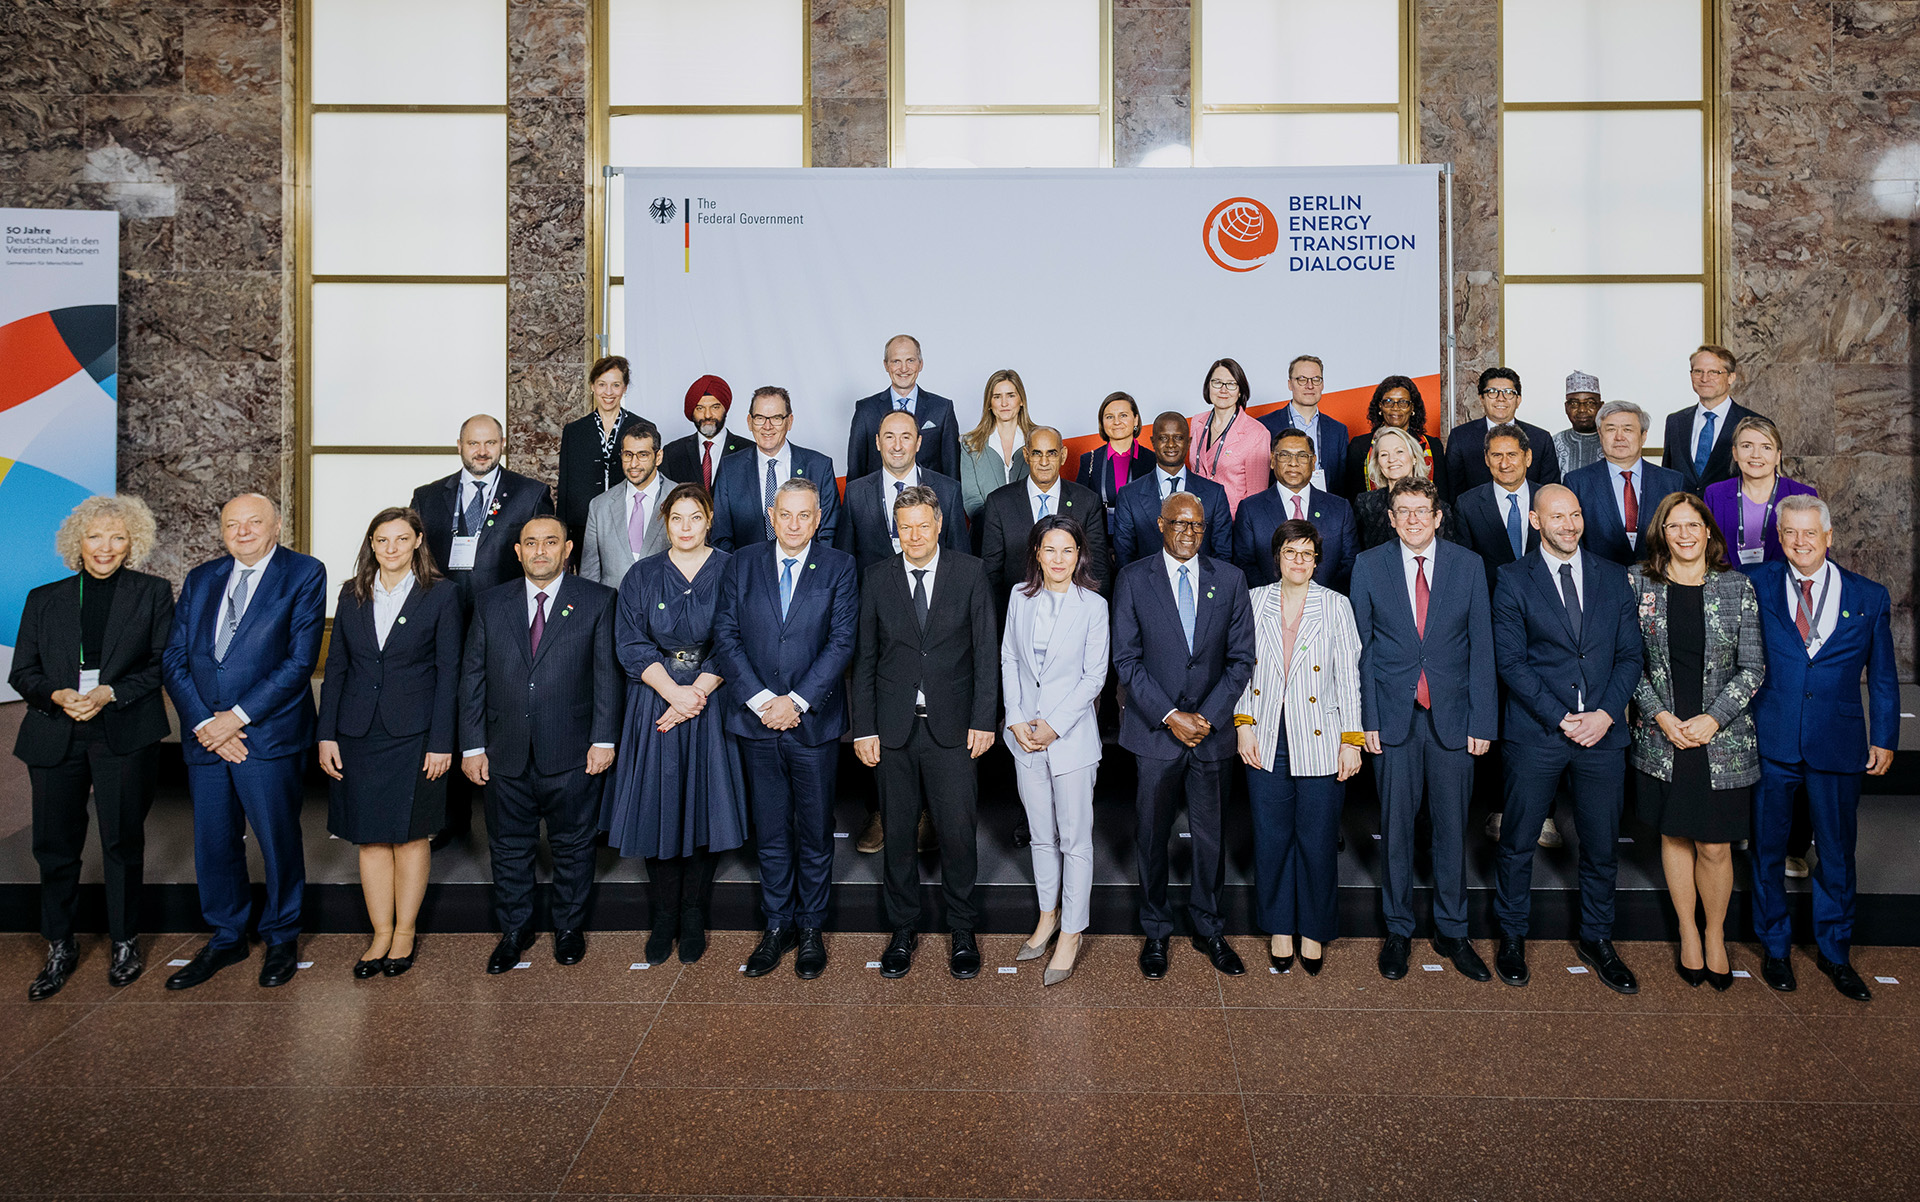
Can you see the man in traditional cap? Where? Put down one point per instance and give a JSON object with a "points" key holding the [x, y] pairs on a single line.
{"points": [[1579, 444], [698, 455]]}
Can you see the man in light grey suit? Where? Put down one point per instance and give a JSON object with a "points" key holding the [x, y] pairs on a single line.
{"points": [[623, 523]]}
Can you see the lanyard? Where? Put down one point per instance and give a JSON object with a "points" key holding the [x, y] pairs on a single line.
{"points": [[1813, 623], [83, 618], [1218, 444], [1766, 513]]}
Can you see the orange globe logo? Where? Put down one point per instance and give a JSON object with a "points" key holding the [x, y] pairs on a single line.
{"points": [[1241, 233]]}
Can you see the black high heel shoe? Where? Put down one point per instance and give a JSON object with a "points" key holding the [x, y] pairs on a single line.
{"points": [[1693, 976], [1312, 963], [1721, 981], [1280, 963]]}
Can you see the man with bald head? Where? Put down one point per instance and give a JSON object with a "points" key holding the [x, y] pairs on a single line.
{"points": [[239, 667], [473, 517], [932, 415], [1566, 642], [1012, 509], [867, 530]]}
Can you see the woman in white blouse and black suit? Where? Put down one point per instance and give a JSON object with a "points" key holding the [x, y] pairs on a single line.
{"points": [[1298, 724], [1053, 664]]}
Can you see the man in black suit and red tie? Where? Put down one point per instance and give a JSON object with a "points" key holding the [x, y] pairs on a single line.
{"points": [[698, 455], [939, 429], [1699, 440]]}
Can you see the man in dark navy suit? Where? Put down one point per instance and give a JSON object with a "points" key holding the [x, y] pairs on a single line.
{"points": [[473, 516], [1619, 494], [541, 697], [783, 633], [744, 486], [1306, 382], [1566, 640], [1823, 627], [1493, 516], [1699, 438], [239, 667], [1183, 644], [1011, 511], [697, 456], [1294, 497], [1136, 518], [866, 529], [933, 416], [1467, 444]]}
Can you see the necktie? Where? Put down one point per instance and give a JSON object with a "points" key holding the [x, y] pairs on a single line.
{"points": [[1629, 506], [920, 597], [1297, 515], [1705, 447], [786, 586], [1803, 615], [539, 621], [236, 605], [1420, 597], [773, 483], [470, 517], [893, 530], [1044, 501], [637, 524], [1570, 595], [1173, 485], [1515, 531], [706, 465], [1186, 607]]}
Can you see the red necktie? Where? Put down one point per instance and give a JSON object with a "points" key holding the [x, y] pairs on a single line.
{"points": [[539, 620], [1297, 515], [706, 465], [1629, 505], [1420, 623], [1802, 617]]}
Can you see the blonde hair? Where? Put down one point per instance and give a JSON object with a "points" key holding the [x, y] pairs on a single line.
{"points": [[1417, 453], [129, 511]]}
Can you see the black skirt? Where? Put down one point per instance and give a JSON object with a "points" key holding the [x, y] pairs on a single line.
{"points": [[1689, 807], [385, 796]]}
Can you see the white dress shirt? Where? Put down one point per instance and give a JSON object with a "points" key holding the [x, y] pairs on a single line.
{"points": [[888, 493], [1054, 496], [933, 565], [1700, 411], [552, 590], [1823, 618], [1407, 563], [1553, 562], [258, 569], [1500, 504], [387, 605], [1179, 477], [782, 461], [1287, 496], [1172, 567], [1619, 486], [895, 396], [764, 697], [489, 484]]}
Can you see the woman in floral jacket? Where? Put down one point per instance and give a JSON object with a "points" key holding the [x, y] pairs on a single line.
{"points": [[1693, 739]]}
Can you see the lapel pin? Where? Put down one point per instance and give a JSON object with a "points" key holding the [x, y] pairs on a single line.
{"points": [[663, 605], [812, 566], [566, 611], [402, 620], [1845, 614]]}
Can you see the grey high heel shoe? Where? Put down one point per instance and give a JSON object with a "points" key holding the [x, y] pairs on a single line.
{"points": [[1053, 976], [1029, 952]]}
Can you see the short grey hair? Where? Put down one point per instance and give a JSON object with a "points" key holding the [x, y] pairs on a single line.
{"points": [[129, 511], [918, 494], [1801, 503], [1612, 407], [796, 484]]}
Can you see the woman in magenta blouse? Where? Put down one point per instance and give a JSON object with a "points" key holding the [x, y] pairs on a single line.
{"points": [[1226, 444], [1119, 459], [1744, 505]]}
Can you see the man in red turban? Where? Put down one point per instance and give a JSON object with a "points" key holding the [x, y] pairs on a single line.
{"points": [[698, 455]]}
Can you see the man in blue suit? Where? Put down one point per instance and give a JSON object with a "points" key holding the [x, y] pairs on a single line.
{"points": [[744, 484], [1183, 644], [783, 633], [1822, 627], [1136, 516], [1306, 381], [239, 667], [1566, 640], [1293, 496], [1427, 701], [933, 416], [866, 529], [1699, 440], [1619, 494]]}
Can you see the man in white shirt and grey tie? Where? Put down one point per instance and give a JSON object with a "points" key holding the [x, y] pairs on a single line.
{"points": [[623, 523]]}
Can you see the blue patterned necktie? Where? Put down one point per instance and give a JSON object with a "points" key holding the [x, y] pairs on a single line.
{"points": [[1514, 528], [786, 587], [236, 605], [773, 484], [475, 510], [1186, 606], [1044, 501], [893, 529], [1704, 449]]}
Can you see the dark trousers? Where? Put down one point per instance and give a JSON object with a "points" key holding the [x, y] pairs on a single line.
{"points": [[262, 795], [1155, 802], [570, 803], [1596, 781], [790, 787], [1833, 802], [1296, 828], [942, 779], [123, 793], [1406, 770]]}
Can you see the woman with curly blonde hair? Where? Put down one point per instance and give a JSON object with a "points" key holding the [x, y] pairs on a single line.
{"points": [[87, 660]]}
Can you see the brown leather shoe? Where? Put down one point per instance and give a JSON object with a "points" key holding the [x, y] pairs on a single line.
{"points": [[873, 838]]}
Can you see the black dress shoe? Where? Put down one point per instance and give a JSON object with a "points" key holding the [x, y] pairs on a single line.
{"points": [[506, 953], [964, 961], [1022, 834], [1721, 981], [367, 969], [279, 964], [1692, 976], [1218, 950], [207, 961], [1777, 972], [1393, 957], [1312, 963], [397, 965], [127, 963], [570, 946], [1279, 963], [898, 958], [1844, 978], [1606, 963], [777, 942], [1153, 959], [1510, 960], [1464, 958], [62, 956], [811, 960]]}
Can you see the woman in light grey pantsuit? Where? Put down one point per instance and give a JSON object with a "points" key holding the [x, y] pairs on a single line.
{"points": [[1053, 663]]}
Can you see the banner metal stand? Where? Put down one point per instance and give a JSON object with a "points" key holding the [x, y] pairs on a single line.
{"points": [[1446, 170]]}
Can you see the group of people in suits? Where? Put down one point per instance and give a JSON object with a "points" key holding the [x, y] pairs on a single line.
{"points": [[964, 592]]}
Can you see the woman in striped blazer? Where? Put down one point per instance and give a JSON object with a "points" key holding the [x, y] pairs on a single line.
{"points": [[1299, 728]]}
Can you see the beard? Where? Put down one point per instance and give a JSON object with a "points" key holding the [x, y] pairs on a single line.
{"points": [[707, 429]]}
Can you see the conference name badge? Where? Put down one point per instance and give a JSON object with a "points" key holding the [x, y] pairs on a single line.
{"points": [[1752, 554], [460, 558], [89, 679]]}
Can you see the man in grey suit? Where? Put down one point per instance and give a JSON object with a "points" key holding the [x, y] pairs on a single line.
{"points": [[623, 523]]}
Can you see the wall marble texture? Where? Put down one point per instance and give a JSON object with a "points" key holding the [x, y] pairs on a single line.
{"points": [[179, 116]]}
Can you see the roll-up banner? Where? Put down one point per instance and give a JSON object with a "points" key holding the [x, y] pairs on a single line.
{"points": [[59, 353], [1085, 281]]}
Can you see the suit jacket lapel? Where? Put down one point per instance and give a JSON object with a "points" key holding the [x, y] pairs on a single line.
{"points": [[556, 604], [119, 618], [1312, 615], [263, 587], [1550, 588], [1207, 608], [802, 575]]}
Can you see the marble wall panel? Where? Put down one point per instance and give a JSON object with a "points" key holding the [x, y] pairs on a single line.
{"points": [[233, 50], [847, 49], [1872, 318], [178, 138], [546, 141], [546, 315], [207, 315], [1780, 316], [1876, 44], [546, 226], [40, 137], [542, 397], [1152, 79], [230, 227], [1873, 409], [1799, 397], [1779, 45], [76, 48], [547, 51], [1144, 124], [849, 133]]}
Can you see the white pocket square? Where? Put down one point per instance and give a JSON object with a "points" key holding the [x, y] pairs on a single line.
{"points": [[929, 424]]}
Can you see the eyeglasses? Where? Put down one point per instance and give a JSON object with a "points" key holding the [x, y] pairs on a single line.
{"points": [[1684, 527], [1505, 394], [1309, 381], [1396, 403], [1708, 373], [1292, 456], [1222, 384], [1292, 556], [767, 419], [1037, 453], [1186, 526], [1413, 515], [630, 456]]}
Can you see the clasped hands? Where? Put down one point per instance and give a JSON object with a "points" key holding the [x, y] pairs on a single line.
{"points": [[222, 735], [1033, 736], [83, 707], [1694, 732]]}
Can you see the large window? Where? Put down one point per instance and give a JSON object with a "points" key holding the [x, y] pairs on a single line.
{"points": [[402, 246], [1000, 83], [718, 83], [1606, 154], [1282, 83]]}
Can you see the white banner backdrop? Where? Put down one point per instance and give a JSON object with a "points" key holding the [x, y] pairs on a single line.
{"points": [[1083, 280]]}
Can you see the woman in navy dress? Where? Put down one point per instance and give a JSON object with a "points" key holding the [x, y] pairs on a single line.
{"points": [[678, 798]]}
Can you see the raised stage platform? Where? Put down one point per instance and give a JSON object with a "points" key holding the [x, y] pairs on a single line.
{"points": [[1888, 865]]}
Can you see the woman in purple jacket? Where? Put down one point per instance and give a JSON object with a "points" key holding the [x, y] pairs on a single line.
{"points": [[1744, 505]]}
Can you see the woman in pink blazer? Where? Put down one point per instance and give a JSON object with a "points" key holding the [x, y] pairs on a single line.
{"points": [[1227, 444]]}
